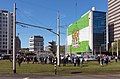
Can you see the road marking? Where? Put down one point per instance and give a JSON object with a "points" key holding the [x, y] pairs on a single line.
{"points": [[26, 78]]}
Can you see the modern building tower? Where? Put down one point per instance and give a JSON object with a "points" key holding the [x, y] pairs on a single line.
{"points": [[114, 20], [88, 34], [6, 31], [36, 44], [18, 44]]}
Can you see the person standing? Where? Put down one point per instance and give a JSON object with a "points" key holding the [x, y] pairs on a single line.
{"points": [[28, 59], [19, 60], [116, 59], [74, 60], [78, 61]]}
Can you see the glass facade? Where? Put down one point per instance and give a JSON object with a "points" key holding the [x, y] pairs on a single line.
{"points": [[99, 31]]}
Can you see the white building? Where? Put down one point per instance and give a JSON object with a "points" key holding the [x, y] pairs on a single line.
{"points": [[88, 34], [6, 31], [36, 44]]}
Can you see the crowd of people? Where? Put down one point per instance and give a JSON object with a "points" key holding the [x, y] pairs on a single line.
{"points": [[75, 60], [103, 59], [50, 60], [35, 59]]}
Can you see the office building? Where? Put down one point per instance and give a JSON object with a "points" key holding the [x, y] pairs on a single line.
{"points": [[88, 34], [36, 44], [6, 32], [18, 44], [113, 20]]}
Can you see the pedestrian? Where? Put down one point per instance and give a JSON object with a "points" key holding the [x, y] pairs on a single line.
{"points": [[98, 58], [81, 60], [74, 60], [78, 61], [107, 59], [19, 60], [101, 60], [35, 59], [64, 61], [116, 59], [45, 59], [28, 59]]}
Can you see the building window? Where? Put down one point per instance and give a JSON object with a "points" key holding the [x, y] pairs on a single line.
{"points": [[4, 21], [3, 42]]}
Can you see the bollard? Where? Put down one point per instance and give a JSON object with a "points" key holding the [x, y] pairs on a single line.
{"points": [[55, 66]]}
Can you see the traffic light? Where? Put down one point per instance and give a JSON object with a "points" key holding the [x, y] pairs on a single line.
{"points": [[52, 47]]}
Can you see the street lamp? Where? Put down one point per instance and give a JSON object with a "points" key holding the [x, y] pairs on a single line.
{"points": [[14, 36]]}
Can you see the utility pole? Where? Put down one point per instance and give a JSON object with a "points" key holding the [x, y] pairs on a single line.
{"points": [[14, 36], [58, 38]]}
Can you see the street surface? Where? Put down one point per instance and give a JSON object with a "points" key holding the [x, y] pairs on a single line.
{"points": [[59, 77]]}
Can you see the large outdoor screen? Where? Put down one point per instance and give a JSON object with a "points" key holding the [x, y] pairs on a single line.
{"points": [[79, 35]]}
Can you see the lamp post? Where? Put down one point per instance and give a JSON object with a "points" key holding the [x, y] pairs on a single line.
{"points": [[58, 39], [14, 36]]}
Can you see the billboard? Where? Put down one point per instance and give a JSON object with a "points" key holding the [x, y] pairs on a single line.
{"points": [[78, 35]]}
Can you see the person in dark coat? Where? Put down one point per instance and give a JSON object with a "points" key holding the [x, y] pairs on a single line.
{"points": [[78, 61], [19, 60]]}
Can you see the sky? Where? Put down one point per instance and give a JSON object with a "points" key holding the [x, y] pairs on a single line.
{"points": [[44, 13]]}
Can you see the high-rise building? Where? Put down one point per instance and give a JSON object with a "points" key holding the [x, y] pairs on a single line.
{"points": [[17, 44], [6, 31], [36, 44], [88, 34], [113, 20]]}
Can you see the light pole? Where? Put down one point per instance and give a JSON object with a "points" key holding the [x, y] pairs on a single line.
{"points": [[58, 38], [14, 36]]}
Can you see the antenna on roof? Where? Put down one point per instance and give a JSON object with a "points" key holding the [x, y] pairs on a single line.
{"points": [[76, 12]]}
